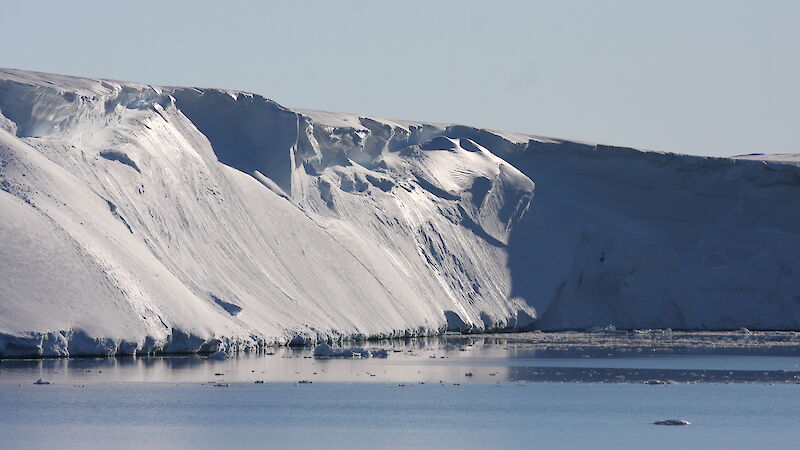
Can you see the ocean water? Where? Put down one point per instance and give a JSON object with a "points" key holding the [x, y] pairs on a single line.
{"points": [[476, 393]]}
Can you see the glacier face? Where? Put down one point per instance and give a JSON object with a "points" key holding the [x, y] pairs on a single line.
{"points": [[140, 218]]}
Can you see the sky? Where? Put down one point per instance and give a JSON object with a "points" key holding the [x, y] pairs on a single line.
{"points": [[701, 77]]}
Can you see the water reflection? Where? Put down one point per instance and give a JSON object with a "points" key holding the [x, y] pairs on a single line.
{"points": [[449, 359]]}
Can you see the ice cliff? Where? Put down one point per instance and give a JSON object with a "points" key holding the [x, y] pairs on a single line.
{"points": [[137, 219]]}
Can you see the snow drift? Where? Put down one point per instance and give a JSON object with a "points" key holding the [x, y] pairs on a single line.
{"points": [[140, 219]]}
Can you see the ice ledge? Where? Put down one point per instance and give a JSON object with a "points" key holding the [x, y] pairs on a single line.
{"points": [[77, 343]]}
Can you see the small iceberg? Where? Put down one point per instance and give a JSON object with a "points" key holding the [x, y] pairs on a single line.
{"points": [[323, 350], [672, 422], [379, 353], [326, 351], [218, 356], [608, 329], [659, 382]]}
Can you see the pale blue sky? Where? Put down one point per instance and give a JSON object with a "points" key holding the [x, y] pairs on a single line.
{"points": [[700, 77]]}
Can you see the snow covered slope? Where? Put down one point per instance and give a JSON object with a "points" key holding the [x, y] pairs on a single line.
{"points": [[139, 218]]}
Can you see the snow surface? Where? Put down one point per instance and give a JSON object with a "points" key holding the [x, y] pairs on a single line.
{"points": [[140, 219]]}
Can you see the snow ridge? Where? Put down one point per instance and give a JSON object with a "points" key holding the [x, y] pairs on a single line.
{"points": [[145, 219]]}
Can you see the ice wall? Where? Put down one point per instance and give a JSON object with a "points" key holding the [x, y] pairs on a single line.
{"points": [[143, 219]]}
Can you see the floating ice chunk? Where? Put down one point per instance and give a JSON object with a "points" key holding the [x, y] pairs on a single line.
{"points": [[326, 351], [672, 422], [609, 329], [655, 382], [323, 350], [356, 353], [218, 356], [379, 353]]}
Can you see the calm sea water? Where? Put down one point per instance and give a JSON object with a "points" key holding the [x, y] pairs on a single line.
{"points": [[419, 396]]}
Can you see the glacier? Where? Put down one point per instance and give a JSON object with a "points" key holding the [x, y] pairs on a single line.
{"points": [[138, 219]]}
